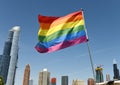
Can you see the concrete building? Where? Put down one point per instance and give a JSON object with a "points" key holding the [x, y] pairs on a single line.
{"points": [[107, 77], [30, 82], [5, 58], [91, 81], [53, 81], [44, 77], [64, 80], [14, 56], [26, 75], [78, 82]]}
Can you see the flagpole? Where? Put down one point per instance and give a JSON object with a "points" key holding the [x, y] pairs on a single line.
{"points": [[91, 62]]}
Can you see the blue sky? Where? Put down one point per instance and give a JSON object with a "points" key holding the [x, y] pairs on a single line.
{"points": [[102, 19]]}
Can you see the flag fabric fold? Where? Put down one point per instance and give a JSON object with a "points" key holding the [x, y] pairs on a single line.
{"points": [[56, 33]]}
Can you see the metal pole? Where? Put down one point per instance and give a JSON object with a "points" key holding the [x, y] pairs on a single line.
{"points": [[88, 47], [91, 60]]}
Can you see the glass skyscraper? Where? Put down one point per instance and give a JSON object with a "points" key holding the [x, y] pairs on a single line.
{"points": [[99, 74], [115, 70], [8, 61], [5, 58]]}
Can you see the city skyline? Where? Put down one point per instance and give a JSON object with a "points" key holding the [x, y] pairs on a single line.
{"points": [[102, 24]]}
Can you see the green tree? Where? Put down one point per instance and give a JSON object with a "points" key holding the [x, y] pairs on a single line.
{"points": [[1, 81]]}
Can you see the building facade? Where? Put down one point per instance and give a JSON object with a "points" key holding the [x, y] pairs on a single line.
{"points": [[64, 80], [91, 81], [99, 74], [5, 58], [115, 70], [31, 82], [44, 77], [26, 75], [14, 56], [78, 82], [53, 81], [107, 77]]}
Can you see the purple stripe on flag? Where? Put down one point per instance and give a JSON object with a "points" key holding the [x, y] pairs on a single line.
{"points": [[62, 45]]}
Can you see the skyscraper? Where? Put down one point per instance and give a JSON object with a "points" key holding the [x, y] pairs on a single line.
{"points": [[44, 77], [14, 56], [5, 58], [115, 70], [26, 75], [99, 74], [64, 80]]}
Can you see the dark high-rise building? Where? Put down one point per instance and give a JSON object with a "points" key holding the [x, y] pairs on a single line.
{"points": [[115, 70], [99, 74], [5, 58], [64, 80]]}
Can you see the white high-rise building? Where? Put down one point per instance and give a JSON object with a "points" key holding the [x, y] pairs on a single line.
{"points": [[14, 56], [44, 77]]}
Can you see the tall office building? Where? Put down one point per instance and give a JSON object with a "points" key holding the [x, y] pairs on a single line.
{"points": [[14, 56], [31, 82], [5, 58], [53, 81], [99, 74], [64, 80], [26, 75], [44, 77], [115, 70]]}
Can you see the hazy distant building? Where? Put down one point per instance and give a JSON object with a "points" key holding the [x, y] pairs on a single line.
{"points": [[115, 70], [99, 74], [78, 82], [5, 58], [107, 77], [64, 80], [31, 82], [91, 81], [44, 77], [53, 81], [26, 75], [14, 56]]}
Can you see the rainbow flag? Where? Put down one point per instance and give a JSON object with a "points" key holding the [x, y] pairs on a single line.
{"points": [[56, 33]]}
